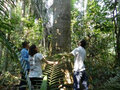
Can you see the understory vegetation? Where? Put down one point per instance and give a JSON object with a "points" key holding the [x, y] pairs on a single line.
{"points": [[45, 23]]}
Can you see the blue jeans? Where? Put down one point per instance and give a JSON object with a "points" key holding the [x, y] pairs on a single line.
{"points": [[80, 76]]}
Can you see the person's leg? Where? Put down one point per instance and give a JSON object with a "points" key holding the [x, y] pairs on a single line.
{"points": [[36, 81], [77, 78], [84, 80], [22, 82], [33, 81], [39, 82]]}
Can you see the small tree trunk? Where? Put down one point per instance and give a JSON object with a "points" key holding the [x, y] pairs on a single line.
{"points": [[1, 48], [6, 56], [118, 38], [117, 31], [6, 60], [23, 8], [118, 46]]}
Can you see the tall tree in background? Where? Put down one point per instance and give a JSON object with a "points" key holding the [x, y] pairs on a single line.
{"points": [[59, 30], [23, 8], [61, 40], [116, 16], [39, 10]]}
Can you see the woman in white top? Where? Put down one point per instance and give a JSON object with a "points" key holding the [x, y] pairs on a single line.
{"points": [[36, 60]]}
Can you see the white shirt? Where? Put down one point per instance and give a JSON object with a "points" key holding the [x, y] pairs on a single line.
{"points": [[35, 65], [79, 54]]}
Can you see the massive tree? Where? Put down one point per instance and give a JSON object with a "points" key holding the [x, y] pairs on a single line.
{"points": [[56, 17], [61, 40]]}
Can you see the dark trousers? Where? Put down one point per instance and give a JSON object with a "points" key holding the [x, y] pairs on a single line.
{"points": [[36, 81], [23, 83], [80, 76]]}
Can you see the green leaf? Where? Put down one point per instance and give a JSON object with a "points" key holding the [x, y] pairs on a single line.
{"points": [[44, 83]]}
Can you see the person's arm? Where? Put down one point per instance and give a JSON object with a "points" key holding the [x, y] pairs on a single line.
{"points": [[26, 59], [68, 54], [49, 62], [40, 57], [24, 55], [71, 54]]}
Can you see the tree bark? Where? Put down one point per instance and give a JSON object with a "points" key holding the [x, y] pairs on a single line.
{"points": [[118, 45], [61, 34], [6, 55], [118, 38], [23, 8], [117, 31], [1, 50]]}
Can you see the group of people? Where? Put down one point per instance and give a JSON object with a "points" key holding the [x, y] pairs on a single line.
{"points": [[34, 61]]}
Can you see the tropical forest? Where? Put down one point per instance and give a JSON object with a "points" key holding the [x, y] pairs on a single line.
{"points": [[57, 28]]}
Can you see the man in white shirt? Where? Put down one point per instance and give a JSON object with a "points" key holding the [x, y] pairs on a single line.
{"points": [[79, 68], [79, 54]]}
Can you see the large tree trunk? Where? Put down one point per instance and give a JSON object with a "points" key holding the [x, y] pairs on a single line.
{"points": [[61, 39]]}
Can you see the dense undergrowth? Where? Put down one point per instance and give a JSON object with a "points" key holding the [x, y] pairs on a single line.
{"points": [[103, 75]]}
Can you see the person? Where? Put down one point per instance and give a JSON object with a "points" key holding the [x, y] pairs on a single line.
{"points": [[79, 68], [36, 60], [24, 56], [79, 54]]}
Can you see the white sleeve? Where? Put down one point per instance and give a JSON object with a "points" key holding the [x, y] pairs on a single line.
{"points": [[74, 52], [39, 56]]}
